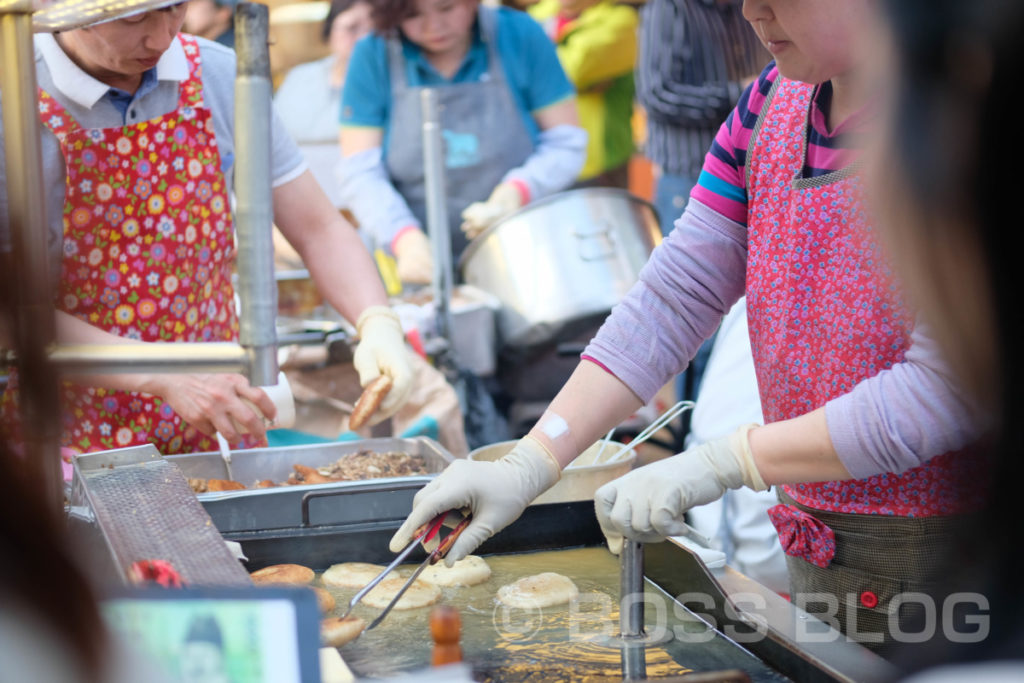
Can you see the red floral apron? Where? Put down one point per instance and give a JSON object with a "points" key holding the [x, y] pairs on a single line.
{"points": [[147, 254], [824, 314]]}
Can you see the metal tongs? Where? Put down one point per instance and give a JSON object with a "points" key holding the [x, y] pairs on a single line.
{"points": [[437, 548]]}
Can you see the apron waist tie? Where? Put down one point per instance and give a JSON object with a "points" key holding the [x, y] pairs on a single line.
{"points": [[803, 535]]}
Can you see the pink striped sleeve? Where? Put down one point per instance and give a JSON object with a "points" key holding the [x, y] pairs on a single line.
{"points": [[722, 183]]}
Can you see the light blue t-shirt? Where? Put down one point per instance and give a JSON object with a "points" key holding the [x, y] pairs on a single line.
{"points": [[532, 69]]}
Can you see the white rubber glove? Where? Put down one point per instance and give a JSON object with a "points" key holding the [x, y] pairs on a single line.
{"points": [[479, 216], [413, 258], [496, 493], [648, 504], [381, 351]]}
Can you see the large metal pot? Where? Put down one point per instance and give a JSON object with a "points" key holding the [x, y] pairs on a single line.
{"points": [[566, 258]]}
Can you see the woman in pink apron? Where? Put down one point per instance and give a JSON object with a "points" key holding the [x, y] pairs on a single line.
{"points": [[130, 111], [863, 421]]}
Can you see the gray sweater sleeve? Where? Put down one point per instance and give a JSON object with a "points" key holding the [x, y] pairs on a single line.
{"points": [[902, 416]]}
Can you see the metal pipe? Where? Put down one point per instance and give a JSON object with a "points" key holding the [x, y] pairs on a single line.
{"points": [[634, 663], [631, 589], [437, 209], [253, 209], [34, 325], [177, 357]]}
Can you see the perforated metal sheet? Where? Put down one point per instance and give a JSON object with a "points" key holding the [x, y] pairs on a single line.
{"points": [[144, 509]]}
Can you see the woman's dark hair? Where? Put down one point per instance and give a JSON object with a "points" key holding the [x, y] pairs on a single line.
{"points": [[38, 565], [959, 64], [337, 7], [387, 15]]}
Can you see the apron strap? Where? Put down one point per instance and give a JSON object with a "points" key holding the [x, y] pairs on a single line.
{"points": [[55, 117], [488, 18], [756, 130], [190, 91]]}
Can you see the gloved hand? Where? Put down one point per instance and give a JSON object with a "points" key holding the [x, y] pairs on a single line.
{"points": [[381, 350], [496, 493], [647, 505], [413, 258], [478, 216]]}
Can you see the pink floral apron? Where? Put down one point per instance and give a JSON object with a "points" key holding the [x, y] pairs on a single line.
{"points": [[147, 254], [825, 313]]}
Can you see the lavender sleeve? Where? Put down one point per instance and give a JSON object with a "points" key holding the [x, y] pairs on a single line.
{"points": [[891, 422], [902, 416], [687, 286]]}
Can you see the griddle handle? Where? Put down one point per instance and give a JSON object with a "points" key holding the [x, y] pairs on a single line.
{"points": [[310, 495]]}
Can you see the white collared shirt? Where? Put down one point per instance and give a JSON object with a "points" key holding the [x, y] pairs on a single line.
{"points": [[84, 90]]}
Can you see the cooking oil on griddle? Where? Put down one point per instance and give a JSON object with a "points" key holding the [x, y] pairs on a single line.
{"points": [[560, 643]]}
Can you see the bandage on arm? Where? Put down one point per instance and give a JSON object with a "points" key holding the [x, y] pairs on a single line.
{"points": [[592, 401]]}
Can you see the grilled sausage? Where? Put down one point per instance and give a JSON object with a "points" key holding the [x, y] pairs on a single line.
{"points": [[369, 401]]}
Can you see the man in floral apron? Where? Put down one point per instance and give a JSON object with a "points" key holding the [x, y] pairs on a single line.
{"points": [[137, 137]]}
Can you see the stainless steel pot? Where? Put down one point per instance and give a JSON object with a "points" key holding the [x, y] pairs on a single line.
{"points": [[565, 258]]}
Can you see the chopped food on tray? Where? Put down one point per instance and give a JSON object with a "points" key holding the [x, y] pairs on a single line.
{"points": [[370, 465], [200, 485], [357, 466]]}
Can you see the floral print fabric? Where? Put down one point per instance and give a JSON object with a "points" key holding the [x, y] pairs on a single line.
{"points": [[148, 253], [825, 312], [802, 535]]}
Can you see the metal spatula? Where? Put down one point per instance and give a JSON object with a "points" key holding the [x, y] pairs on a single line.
{"points": [[225, 453]]}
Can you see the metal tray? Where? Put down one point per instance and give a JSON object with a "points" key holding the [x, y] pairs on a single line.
{"points": [[282, 507]]}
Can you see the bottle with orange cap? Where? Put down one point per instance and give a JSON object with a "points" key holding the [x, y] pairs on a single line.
{"points": [[445, 629]]}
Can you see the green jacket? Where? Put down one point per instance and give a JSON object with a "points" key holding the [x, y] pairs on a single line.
{"points": [[598, 51]]}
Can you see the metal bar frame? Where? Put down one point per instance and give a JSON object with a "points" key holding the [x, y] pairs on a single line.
{"points": [[32, 317], [435, 178]]}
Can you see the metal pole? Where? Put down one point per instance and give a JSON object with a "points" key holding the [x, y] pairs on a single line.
{"points": [[177, 357], [631, 609], [634, 663], [631, 589], [253, 209], [34, 326], [437, 209]]}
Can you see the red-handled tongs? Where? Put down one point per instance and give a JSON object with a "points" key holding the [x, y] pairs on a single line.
{"points": [[437, 548]]}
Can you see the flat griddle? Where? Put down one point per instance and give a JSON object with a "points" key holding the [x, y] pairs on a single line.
{"points": [[738, 624]]}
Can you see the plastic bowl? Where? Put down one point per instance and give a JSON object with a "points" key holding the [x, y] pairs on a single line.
{"points": [[580, 479]]}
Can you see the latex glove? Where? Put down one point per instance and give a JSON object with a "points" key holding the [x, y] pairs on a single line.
{"points": [[381, 350], [413, 258], [648, 504], [496, 492], [479, 216]]}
